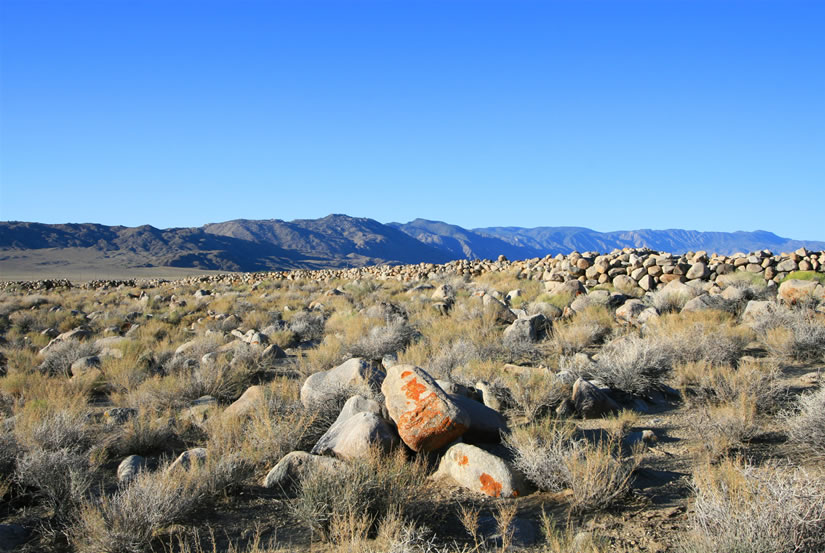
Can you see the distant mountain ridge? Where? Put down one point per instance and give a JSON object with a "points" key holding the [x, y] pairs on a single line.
{"points": [[338, 241]]}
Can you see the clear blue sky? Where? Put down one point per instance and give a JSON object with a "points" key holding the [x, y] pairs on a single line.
{"points": [[611, 115]]}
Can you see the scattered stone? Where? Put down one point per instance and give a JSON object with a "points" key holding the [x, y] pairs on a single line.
{"points": [[253, 398], [190, 457], [129, 468], [294, 467], [590, 402]]}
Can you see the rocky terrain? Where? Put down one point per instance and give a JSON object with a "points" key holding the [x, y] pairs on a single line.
{"points": [[634, 400], [81, 251]]}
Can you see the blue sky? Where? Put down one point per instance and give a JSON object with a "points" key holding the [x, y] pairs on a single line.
{"points": [[610, 115]]}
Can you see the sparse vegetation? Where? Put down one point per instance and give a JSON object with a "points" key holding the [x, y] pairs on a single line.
{"points": [[684, 391]]}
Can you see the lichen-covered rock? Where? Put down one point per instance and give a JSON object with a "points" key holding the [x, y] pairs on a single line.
{"points": [[480, 471], [426, 417]]}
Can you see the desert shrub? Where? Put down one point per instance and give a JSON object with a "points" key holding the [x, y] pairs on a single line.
{"points": [[634, 364], [58, 360], [307, 325], [383, 340], [126, 521], [769, 509], [267, 433], [372, 487], [707, 383], [60, 477], [727, 426], [534, 393], [9, 447], [805, 275], [584, 329], [796, 334], [710, 336], [40, 425], [561, 300], [806, 426], [667, 300], [144, 433], [553, 458]]}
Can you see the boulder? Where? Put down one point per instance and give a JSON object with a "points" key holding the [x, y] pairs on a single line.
{"points": [[591, 402], [129, 468], [486, 424], [426, 417], [355, 436], [253, 398], [629, 312], [698, 271], [756, 311], [13, 536], [190, 457], [293, 467], [529, 329], [85, 364], [356, 373], [444, 293], [480, 471], [701, 303], [487, 396], [794, 291], [273, 351]]}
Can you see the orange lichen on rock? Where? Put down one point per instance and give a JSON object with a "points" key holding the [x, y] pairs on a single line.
{"points": [[463, 460], [426, 417], [489, 485], [413, 389]]}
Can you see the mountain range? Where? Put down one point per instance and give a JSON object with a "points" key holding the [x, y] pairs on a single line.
{"points": [[336, 241]]}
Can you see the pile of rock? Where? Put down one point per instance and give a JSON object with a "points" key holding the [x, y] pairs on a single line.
{"points": [[413, 409]]}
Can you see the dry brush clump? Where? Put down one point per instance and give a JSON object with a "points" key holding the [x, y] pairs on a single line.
{"points": [[742, 507], [806, 426], [793, 333], [339, 505], [554, 458], [126, 521]]}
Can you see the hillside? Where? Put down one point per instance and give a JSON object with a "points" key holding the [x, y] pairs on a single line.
{"points": [[335, 241]]}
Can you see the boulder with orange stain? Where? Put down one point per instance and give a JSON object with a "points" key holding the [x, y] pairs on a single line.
{"points": [[426, 417], [481, 471]]}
